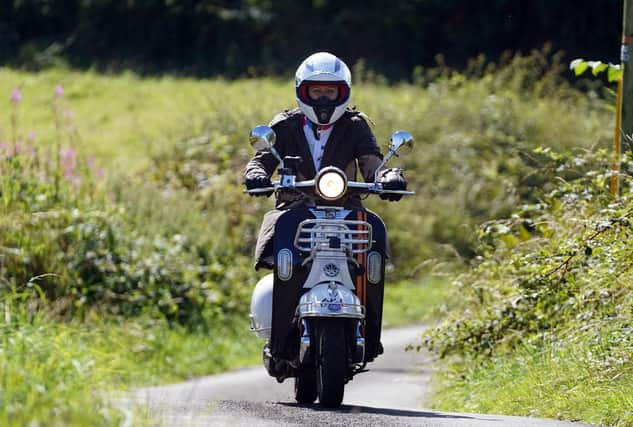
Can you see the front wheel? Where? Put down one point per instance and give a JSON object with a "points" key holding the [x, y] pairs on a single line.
{"points": [[332, 362]]}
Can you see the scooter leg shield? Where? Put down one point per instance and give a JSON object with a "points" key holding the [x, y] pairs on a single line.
{"points": [[262, 307]]}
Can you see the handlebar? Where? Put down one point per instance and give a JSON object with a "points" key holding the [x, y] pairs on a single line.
{"points": [[366, 187]]}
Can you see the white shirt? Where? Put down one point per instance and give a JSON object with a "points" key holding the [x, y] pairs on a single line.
{"points": [[317, 146]]}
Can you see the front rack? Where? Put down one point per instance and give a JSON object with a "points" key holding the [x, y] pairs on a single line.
{"points": [[355, 237]]}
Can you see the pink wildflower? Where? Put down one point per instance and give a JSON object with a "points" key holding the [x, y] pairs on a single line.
{"points": [[59, 91], [16, 96], [69, 162], [32, 151], [32, 136]]}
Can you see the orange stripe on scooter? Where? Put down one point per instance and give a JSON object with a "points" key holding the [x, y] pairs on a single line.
{"points": [[359, 259], [364, 276]]}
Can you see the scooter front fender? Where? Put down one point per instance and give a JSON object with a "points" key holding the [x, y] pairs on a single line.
{"points": [[330, 300]]}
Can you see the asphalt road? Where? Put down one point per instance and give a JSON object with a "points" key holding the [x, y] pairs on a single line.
{"points": [[391, 394]]}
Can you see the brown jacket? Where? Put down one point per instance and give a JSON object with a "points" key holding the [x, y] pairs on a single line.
{"points": [[351, 145]]}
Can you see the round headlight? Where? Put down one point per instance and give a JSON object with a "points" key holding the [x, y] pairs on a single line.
{"points": [[331, 183]]}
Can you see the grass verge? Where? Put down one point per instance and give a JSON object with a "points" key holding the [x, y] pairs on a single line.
{"points": [[546, 380], [416, 302], [57, 374]]}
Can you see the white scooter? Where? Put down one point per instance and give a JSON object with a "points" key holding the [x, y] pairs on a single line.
{"points": [[321, 308]]}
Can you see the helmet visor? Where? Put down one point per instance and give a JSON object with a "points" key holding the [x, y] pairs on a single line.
{"points": [[304, 92]]}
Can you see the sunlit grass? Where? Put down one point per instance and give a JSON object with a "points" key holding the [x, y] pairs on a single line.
{"points": [[123, 119], [417, 302], [574, 379], [59, 374]]}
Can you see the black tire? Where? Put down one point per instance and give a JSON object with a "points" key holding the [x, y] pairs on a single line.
{"points": [[306, 388], [332, 363]]}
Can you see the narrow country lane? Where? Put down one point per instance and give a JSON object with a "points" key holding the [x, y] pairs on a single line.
{"points": [[391, 394]]}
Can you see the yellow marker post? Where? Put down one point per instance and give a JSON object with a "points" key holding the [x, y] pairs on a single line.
{"points": [[624, 117], [617, 135]]}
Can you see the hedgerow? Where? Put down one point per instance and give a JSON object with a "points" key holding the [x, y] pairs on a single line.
{"points": [[550, 294], [563, 259]]}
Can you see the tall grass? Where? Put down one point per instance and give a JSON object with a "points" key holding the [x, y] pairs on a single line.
{"points": [[100, 291], [59, 373], [584, 377]]}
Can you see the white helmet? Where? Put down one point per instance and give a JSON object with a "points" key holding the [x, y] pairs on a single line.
{"points": [[323, 68]]}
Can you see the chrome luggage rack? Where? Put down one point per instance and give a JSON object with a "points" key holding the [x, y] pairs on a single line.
{"points": [[354, 237]]}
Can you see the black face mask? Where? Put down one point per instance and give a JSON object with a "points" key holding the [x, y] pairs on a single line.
{"points": [[324, 108], [324, 114]]}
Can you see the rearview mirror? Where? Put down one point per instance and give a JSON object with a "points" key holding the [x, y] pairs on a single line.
{"points": [[262, 138], [399, 139]]}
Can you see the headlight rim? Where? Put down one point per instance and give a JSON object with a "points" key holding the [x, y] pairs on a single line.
{"points": [[322, 173]]}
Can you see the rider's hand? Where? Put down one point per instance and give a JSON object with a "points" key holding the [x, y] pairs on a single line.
{"points": [[392, 179], [259, 182]]}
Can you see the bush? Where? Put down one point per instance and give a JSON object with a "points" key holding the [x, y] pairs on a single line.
{"points": [[545, 323], [72, 244], [553, 266]]}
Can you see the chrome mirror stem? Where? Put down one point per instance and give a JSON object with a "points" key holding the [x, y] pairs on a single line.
{"points": [[278, 157], [388, 156]]}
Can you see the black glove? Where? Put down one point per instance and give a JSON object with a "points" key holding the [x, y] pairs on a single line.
{"points": [[392, 179], [259, 182]]}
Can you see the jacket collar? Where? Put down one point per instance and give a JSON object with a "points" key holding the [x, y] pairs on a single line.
{"points": [[334, 142], [306, 168], [307, 165]]}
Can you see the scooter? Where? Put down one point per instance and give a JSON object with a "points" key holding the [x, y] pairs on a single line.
{"points": [[321, 308]]}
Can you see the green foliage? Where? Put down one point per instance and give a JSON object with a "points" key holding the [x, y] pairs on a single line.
{"points": [[579, 66], [474, 159], [548, 264], [551, 288], [87, 253], [73, 253], [408, 303], [584, 378], [255, 37], [84, 250], [61, 374]]}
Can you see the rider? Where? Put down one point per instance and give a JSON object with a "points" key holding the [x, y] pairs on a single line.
{"points": [[323, 132]]}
